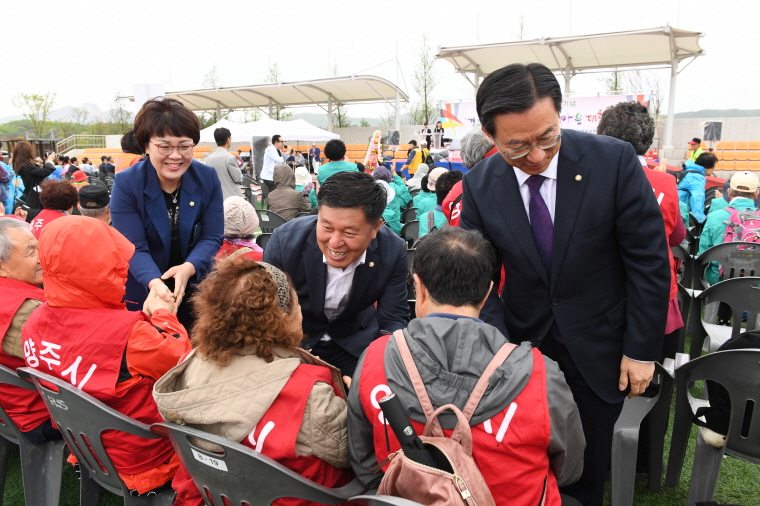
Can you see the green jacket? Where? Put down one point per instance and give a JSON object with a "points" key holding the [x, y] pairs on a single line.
{"points": [[684, 207], [312, 195], [402, 192], [392, 216], [331, 168], [424, 202], [717, 204], [439, 220], [715, 229], [695, 154]]}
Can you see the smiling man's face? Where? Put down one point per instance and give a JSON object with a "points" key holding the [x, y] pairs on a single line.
{"points": [[343, 234]]}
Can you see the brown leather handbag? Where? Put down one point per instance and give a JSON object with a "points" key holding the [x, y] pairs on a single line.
{"points": [[461, 482]]}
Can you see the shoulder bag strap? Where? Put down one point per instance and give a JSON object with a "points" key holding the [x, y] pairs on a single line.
{"points": [[237, 253], [480, 387], [414, 375]]}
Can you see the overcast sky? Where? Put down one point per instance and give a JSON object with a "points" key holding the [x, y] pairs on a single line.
{"points": [[88, 51]]}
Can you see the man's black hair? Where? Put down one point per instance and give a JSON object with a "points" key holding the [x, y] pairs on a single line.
{"points": [[354, 189], [445, 182], [276, 138], [515, 89], [629, 122], [129, 143], [221, 135], [424, 184], [706, 160], [103, 158], [413, 142], [455, 265], [335, 150]]}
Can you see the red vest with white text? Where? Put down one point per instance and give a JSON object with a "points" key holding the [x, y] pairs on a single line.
{"points": [[86, 347], [25, 407], [275, 436], [510, 449], [666, 193]]}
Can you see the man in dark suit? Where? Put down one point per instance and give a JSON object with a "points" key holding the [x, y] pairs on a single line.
{"points": [[578, 229], [342, 262]]}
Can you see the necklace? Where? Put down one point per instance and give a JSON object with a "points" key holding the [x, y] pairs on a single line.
{"points": [[173, 194]]}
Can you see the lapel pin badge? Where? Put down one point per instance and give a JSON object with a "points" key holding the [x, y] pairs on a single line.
{"points": [[193, 203], [372, 264], [577, 178]]}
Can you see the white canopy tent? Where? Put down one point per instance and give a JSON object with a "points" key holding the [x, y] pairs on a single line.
{"points": [[297, 130], [324, 93], [662, 47]]}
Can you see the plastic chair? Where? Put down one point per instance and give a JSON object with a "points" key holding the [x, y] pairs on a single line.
{"points": [[742, 295], [264, 194], [303, 214], [410, 232], [625, 438], [248, 193], [262, 240], [685, 301], [738, 371], [269, 220], [738, 259], [41, 464], [243, 475], [381, 500], [82, 420], [686, 272], [409, 215]]}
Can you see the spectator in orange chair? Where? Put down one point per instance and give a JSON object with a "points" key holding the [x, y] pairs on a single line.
{"points": [[20, 296], [83, 334], [58, 199], [248, 381]]}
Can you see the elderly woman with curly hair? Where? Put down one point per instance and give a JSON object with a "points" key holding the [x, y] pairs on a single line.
{"points": [[248, 381], [58, 199]]}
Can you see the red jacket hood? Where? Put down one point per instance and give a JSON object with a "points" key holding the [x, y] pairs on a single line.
{"points": [[84, 263]]}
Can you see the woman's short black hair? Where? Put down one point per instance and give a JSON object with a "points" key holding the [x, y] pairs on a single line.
{"points": [[354, 189], [165, 116], [629, 122], [445, 182], [335, 150], [455, 265], [514, 89], [706, 160], [129, 143]]}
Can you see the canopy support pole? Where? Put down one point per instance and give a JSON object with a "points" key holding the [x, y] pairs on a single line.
{"points": [[270, 109], [398, 113], [672, 95], [329, 114], [568, 76]]}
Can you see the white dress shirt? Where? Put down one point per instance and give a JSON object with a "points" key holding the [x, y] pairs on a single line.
{"points": [[548, 190], [271, 158], [339, 282]]}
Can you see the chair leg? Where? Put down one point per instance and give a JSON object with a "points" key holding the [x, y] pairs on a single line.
{"points": [[658, 426], [705, 472], [5, 453], [697, 331], [41, 470], [90, 493], [166, 498], [679, 440], [625, 444]]}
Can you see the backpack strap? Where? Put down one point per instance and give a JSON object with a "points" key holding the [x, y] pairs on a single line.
{"points": [[414, 375], [482, 384], [431, 221]]}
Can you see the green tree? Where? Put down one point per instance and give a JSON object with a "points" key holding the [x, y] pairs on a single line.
{"points": [[613, 82], [36, 109], [273, 76], [425, 79], [364, 123], [119, 117], [250, 115], [79, 117]]}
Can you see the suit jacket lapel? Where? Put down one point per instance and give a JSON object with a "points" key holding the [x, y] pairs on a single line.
{"points": [[362, 277], [513, 211], [570, 192], [316, 276], [189, 205], [156, 207]]}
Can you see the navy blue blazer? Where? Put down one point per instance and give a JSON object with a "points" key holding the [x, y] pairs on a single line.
{"points": [[609, 284], [382, 278], [138, 210]]}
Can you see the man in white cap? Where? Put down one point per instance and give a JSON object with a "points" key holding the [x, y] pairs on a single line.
{"points": [[741, 198]]}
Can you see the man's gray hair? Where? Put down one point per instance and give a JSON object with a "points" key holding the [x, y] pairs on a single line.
{"points": [[93, 213], [6, 245], [475, 144]]}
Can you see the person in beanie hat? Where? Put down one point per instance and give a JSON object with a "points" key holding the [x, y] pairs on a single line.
{"points": [[93, 202], [305, 185], [383, 174], [240, 223], [401, 192]]}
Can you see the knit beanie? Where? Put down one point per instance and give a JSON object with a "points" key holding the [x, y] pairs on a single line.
{"points": [[382, 174], [302, 176], [240, 218]]}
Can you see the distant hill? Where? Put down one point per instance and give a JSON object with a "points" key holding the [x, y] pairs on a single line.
{"points": [[64, 114], [720, 113]]}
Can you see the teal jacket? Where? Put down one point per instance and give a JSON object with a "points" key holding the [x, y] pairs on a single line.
{"points": [[684, 213], [715, 229], [424, 202], [392, 216], [439, 220], [716, 205], [331, 168], [312, 195], [402, 192]]}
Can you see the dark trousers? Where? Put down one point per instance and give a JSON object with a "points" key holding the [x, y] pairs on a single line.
{"points": [[270, 184], [335, 355], [598, 418]]}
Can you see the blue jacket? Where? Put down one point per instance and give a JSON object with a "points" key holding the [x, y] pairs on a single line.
{"points": [[691, 190], [293, 248], [138, 211]]}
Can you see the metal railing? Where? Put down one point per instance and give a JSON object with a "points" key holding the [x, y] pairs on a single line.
{"points": [[81, 142]]}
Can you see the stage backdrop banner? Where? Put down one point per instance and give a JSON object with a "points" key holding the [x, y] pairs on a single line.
{"points": [[582, 113]]}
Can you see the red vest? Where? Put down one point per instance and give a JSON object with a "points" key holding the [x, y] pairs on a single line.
{"points": [[510, 449], [665, 192], [86, 347], [275, 436], [25, 407], [43, 218]]}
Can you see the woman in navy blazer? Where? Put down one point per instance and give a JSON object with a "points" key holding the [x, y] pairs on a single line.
{"points": [[169, 206]]}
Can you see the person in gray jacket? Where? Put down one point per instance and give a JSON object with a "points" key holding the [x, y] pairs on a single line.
{"points": [[225, 164], [526, 428]]}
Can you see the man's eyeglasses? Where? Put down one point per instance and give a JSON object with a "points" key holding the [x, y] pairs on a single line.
{"points": [[545, 143], [166, 149]]}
